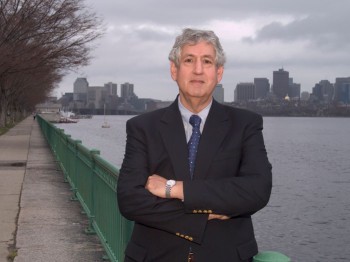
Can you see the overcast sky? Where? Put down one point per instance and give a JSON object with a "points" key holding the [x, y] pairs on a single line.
{"points": [[310, 39]]}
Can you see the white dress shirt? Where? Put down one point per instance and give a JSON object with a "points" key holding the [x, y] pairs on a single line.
{"points": [[186, 114]]}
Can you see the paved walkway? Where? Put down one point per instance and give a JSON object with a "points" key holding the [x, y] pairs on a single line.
{"points": [[37, 217]]}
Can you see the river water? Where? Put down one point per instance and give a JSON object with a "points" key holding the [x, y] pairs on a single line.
{"points": [[308, 216]]}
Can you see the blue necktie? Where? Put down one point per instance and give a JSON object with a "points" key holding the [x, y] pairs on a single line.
{"points": [[195, 121]]}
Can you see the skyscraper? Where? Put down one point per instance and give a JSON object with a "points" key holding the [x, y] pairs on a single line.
{"points": [[127, 91], [111, 88], [342, 90], [95, 97], [324, 91], [244, 92], [280, 83], [80, 88], [262, 87], [219, 93], [293, 89]]}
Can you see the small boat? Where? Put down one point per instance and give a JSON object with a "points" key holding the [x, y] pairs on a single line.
{"points": [[66, 117], [105, 123], [67, 120]]}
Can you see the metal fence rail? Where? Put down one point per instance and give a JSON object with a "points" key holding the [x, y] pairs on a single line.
{"points": [[93, 181]]}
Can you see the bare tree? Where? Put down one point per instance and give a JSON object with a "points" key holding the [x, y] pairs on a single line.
{"points": [[41, 41]]}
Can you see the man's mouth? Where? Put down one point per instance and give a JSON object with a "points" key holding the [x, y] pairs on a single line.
{"points": [[197, 81]]}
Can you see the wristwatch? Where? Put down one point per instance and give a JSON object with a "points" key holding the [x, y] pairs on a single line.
{"points": [[169, 184]]}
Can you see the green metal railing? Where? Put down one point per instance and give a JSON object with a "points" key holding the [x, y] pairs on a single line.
{"points": [[93, 181]]}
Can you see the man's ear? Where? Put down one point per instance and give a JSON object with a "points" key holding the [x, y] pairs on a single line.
{"points": [[173, 71], [220, 73]]}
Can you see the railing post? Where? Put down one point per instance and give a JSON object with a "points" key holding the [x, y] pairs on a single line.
{"points": [[66, 162], [57, 136], [73, 180], [270, 256], [90, 229]]}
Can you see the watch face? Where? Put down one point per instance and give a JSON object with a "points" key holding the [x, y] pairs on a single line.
{"points": [[170, 182]]}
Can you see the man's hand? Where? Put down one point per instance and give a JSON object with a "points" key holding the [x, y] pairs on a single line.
{"points": [[220, 217], [156, 185]]}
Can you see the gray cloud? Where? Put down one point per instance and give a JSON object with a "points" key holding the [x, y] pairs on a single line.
{"points": [[323, 31], [308, 38]]}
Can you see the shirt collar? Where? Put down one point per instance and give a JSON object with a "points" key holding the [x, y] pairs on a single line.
{"points": [[186, 114]]}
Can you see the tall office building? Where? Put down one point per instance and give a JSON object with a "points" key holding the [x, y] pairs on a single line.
{"points": [[324, 91], [111, 88], [305, 96], [280, 83], [262, 87], [219, 93], [95, 97], [80, 87], [293, 89], [244, 92], [127, 91], [296, 90], [342, 90]]}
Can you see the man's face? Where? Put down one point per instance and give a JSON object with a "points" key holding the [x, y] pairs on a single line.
{"points": [[197, 74]]}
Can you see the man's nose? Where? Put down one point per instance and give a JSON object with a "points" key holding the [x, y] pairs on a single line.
{"points": [[198, 67]]}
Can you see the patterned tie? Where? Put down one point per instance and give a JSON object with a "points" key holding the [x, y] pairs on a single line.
{"points": [[195, 121]]}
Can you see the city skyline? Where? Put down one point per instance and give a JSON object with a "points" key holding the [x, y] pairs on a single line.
{"points": [[306, 39]]}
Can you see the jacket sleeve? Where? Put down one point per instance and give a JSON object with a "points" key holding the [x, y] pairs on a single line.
{"points": [[241, 192], [139, 205]]}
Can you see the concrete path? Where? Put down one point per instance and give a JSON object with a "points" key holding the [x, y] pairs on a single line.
{"points": [[38, 219], [14, 146]]}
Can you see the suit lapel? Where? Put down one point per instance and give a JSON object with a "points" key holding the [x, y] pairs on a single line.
{"points": [[174, 138], [215, 130]]}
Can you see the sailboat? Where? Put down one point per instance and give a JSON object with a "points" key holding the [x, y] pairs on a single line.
{"points": [[105, 123]]}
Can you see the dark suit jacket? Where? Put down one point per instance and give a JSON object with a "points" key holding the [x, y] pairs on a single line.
{"points": [[232, 177]]}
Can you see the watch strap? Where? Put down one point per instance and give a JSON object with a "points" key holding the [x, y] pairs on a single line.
{"points": [[167, 191]]}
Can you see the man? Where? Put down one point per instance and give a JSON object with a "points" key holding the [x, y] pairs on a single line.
{"points": [[194, 203]]}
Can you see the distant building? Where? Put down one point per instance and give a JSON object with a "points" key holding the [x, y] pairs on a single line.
{"points": [[153, 104], [66, 100], [305, 96], [262, 87], [293, 89], [80, 87], [296, 89], [49, 110], [96, 97], [280, 83], [219, 93], [342, 90], [323, 91], [111, 88], [48, 106], [127, 91], [244, 92]]}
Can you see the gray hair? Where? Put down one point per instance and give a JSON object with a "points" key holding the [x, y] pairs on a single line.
{"points": [[194, 36]]}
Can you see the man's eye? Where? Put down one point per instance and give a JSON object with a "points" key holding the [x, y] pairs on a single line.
{"points": [[188, 60], [207, 61]]}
